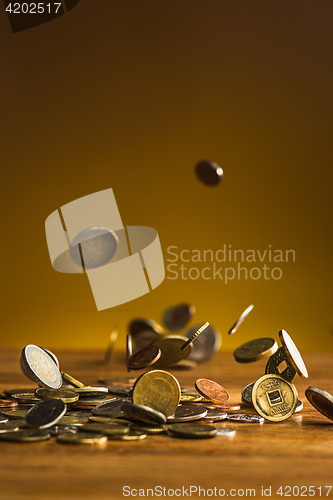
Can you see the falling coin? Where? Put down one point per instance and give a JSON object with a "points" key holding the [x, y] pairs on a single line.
{"points": [[159, 390], [98, 247], [255, 350], [321, 400], [240, 319], [177, 317], [171, 349], [129, 349], [38, 366], [112, 340], [272, 366], [46, 413], [206, 345], [293, 354], [144, 331], [143, 413], [209, 173], [211, 390], [194, 336], [144, 357]]}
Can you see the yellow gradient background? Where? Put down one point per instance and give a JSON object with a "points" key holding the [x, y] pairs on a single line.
{"points": [[130, 95]]}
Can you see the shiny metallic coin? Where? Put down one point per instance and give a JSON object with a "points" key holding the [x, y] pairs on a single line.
{"points": [[255, 350], [171, 349], [3, 418], [299, 406], [38, 366], [71, 420], [10, 392], [119, 390], [16, 414], [107, 430], [274, 398], [71, 380], [26, 398], [109, 420], [293, 354], [144, 332], [98, 247], [194, 336], [129, 349], [143, 413], [53, 356], [159, 390], [211, 390], [240, 319], [215, 415], [148, 429], [191, 398], [272, 366], [177, 317], [110, 408], [131, 436], [209, 173], [247, 418], [247, 394], [87, 391], [206, 345], [144, 357], [8, 427], [66, 395], [321, 400], [91, 401], [82, 438], [26, 436], [46, 413], [225, 431], [112, 340], [8, 403], [192, 430], [187, 413]]}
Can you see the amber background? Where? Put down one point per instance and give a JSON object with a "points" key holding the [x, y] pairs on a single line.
{"points": [[130, 95]]}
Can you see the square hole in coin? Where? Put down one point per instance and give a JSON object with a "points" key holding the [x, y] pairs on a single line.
{"points": [[274, 397], [282, 366]]}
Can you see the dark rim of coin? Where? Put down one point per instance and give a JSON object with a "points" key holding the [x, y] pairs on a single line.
{"points": [[144, 357], [143, 413], [209, 173], [321, 400], [46, 413], [26, 435]]}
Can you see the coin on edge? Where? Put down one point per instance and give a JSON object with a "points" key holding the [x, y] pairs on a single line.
{"points": [[38, 366], [206, 345], [144, 357], [321, 400], [255, 349], [293, 354], [240, 319], [211, 390], [46, 413], [272, 366], [143, 413], [274, 398], [159, 390]]}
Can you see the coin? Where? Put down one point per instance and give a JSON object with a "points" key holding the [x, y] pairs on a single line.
{"points": [[9, 392], [214, 415], [25, 397], [206, 345], [274, 398], [109, 420], [144, 331], [26, 435], [129, 349], [131, 436], [240, 319], [170, 347], [38, 366], [255, 349], [177, 317], [272, 366], [112, 340], [8, 427], [73, 420], [209, 173], [66, 395], [247, 418], [192, 430], [321, 400], [110, 408], [107, 430], [3, 418], [293, 354], [53, 356], [91, 401], [247, 394], [56, 430], [187, 413], [144, 357], [46, 413], [159, 390], [8, 403], [82, 438], [143, 413], [71, 380], [299, 406], [98, 247], [225, 431], [16, 414], [211, 390], [194, 336], [119, 390], [148, 429], [88, 391]]}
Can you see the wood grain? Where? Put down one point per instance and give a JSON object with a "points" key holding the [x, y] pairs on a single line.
{"points": [[297, 452]]}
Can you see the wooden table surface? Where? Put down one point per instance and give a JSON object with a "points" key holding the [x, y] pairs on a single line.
{"points": [[295, 453]]}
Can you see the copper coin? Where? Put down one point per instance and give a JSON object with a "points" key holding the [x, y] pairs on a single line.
{"points": [[177, 317], [209, 173], [8, 403], [321, 400], [211, 390], [144, 357]]}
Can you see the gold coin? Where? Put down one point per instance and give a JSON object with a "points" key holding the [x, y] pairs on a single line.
{"points": [[170, 347], [255, 349], [108, 430], [82, 438], [68, 420], [26, 435], [109, 420], [194, 336], [65, 395], [71, 380], [159, 390], [274, 398], [16, 414]]}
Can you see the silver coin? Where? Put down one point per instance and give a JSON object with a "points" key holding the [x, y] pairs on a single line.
{"points": [[187, 413], [240, 319], [209, 173], [247, 394], [143, 413], [111, 408], [215, 415], [177, 317], [205, 345], [38, 366], [293, 354], [45, 414], [225, 431], [248, 418], [98, 246]]}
